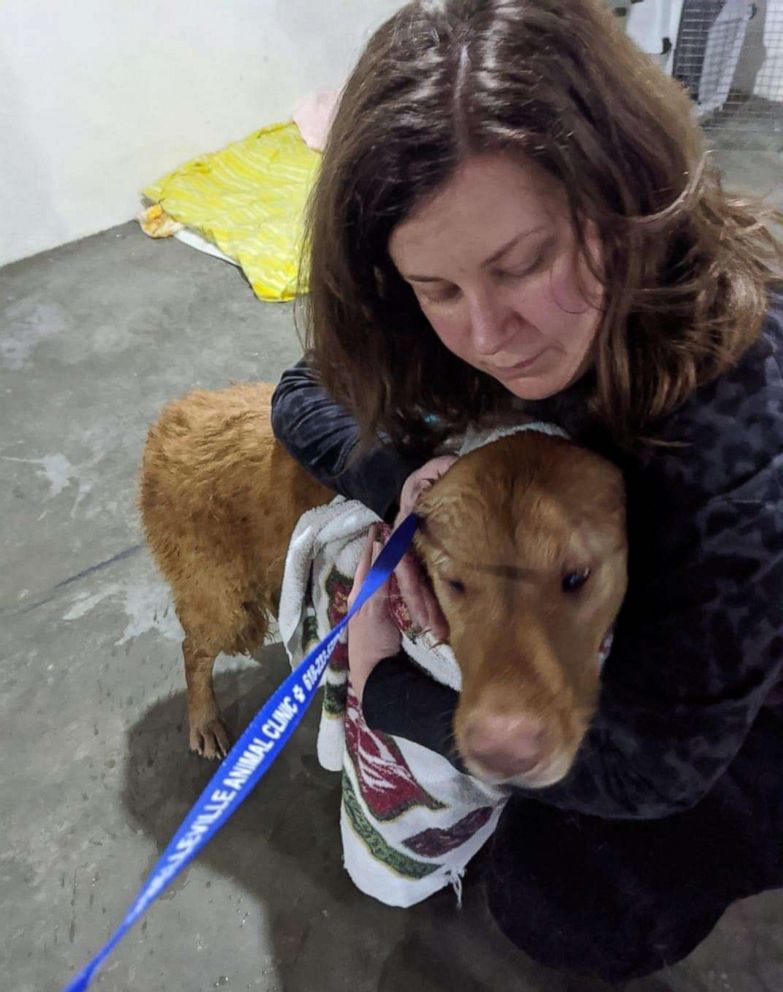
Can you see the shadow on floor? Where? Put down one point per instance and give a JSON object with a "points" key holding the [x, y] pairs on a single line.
{"points": [[283, 847]]}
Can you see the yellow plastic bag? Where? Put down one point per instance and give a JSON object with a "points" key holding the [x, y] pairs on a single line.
{"points": [[249, 200], [156, 223]]}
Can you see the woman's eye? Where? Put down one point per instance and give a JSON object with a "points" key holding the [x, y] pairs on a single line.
{"points": [[575, 580], [446, 296], [527, 270], [456, 584], [521, 273]]}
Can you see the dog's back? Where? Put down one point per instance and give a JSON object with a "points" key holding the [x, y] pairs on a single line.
{"points": [[219, 499], [217, 492]]}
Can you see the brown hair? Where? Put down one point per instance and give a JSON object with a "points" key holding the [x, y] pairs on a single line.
{"points": [[686, 265]]}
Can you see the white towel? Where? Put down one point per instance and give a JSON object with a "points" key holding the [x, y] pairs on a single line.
{"points": [[410, 822]]}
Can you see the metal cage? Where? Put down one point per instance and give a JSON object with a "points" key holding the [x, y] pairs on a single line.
{"points": [[729, 56]]}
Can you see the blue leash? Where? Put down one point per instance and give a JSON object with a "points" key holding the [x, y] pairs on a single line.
{"points": [[261, 743]]}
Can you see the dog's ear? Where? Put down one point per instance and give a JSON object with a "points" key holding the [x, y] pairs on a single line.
{"points": [[425, 542], [608, 492], [437, 626], [439, 630]]}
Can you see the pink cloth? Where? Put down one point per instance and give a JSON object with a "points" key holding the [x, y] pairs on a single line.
{"points": [[313, 116]]}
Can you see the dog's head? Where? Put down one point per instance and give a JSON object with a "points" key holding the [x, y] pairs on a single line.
{"points": [[524, 542]]}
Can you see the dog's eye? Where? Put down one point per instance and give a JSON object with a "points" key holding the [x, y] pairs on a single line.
{"points": [[575, 580], [456, 585]]}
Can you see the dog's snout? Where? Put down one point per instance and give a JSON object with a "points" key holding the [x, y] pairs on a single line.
{"points": [[504, 745]]}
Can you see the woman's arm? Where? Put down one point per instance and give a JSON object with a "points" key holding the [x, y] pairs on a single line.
{"points": [[321, 435]]}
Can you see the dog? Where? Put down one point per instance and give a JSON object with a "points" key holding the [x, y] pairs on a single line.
{"points": [[523, 541]]}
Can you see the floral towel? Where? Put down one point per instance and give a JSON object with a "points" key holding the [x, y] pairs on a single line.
{"points": [[410, 822]]}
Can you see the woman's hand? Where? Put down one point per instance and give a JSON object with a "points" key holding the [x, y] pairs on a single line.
{"points": [[414, 589], [372, 634], [419, 482]]}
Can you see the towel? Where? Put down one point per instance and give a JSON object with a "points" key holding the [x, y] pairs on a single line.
{"points": [[409, 821]]}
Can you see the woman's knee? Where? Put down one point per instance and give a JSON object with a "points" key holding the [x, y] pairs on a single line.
{"points": [[594, 943]]}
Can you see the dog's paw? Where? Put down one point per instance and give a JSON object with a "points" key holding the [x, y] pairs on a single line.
{"points": [[209, 738]]}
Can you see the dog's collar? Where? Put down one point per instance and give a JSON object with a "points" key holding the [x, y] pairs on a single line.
{"points": [[478, 438]]}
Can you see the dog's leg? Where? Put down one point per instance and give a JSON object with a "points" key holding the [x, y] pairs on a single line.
{"points": [[208, 735]]}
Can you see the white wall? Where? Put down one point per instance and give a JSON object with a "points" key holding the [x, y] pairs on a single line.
{"points": [[100, 97]]}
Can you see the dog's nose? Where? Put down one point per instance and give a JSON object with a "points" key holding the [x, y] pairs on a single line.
{"points": [[504, 745]]}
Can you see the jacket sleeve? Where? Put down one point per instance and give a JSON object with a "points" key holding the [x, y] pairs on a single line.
{"points": [[322, 436], [696, 654]]}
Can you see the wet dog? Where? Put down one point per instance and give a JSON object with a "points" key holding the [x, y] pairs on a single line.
{"points": [[523, 540]]}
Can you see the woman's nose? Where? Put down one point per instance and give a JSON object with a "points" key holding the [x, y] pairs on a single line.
{"points": [[490, 324]]}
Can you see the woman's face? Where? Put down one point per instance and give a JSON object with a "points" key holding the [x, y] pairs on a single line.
{"points": [[493, 262]]}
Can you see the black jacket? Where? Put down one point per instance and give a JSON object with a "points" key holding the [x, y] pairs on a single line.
{"points": [[698, 647]]}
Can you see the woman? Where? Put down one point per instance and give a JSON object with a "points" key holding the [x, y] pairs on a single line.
{"points": [[515, 206]]}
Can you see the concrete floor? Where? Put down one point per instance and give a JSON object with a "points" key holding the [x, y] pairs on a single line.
{"points": [[94, 338]]}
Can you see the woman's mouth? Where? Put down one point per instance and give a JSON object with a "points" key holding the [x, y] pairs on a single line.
{"points": [[512, 371]]}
